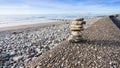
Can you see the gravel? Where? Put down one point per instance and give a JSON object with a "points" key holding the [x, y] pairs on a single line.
{"points": [[19, 47], [99, 49], [28, 44]]}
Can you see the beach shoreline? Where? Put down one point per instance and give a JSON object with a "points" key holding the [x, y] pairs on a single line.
{"points": [[28, 26], [25, 26]]}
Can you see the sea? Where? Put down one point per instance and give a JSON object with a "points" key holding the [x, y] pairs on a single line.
{"points": [[15, 20]]}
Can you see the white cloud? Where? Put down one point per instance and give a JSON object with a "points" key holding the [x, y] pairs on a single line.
{"points": [[13, 6], [49, 7]]}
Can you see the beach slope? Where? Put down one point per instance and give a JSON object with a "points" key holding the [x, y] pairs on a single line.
{"points": [[100, 49]]}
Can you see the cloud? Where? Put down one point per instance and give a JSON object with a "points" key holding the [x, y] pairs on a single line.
{"points": [[13, 6], [60, 7]]}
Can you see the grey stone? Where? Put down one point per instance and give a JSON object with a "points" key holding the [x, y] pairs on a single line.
{"points": [[17, 58], [27, 60], [26, 43], [79, 19]]}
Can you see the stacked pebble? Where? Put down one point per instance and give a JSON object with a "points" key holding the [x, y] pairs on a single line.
{"points": [[76, 27]]}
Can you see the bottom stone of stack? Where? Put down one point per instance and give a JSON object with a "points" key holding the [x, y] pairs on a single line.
{"points": [[73, 38], [75, 32]]}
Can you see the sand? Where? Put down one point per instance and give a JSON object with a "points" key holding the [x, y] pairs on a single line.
{"points": [[27, 26]]}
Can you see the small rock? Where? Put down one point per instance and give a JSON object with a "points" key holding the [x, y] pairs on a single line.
{"points": [[50, 55], [32, 55], [114, 64], [12, 53], [37, 49], [6, 56], [47, 48], [7, 63], [27, 60], [17, 58], [34, 58]]}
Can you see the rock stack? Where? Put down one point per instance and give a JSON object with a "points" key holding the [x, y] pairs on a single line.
{"points": [[76, 27]]}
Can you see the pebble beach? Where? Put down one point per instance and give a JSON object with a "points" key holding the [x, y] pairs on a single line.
{"points": [[99, 49], [19, 46]]}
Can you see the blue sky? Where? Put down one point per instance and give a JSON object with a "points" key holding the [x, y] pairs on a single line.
{"points": [[59, 7]]}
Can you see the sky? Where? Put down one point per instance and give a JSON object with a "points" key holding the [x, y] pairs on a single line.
{"points": [[87, 7]]}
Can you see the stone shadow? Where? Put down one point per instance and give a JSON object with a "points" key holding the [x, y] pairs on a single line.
{"points": [[101, 42]]}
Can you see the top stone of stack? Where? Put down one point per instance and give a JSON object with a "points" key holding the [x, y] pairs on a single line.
{"points": [[80, 19]]}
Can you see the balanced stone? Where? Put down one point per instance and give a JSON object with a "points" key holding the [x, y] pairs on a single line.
{"points": [[78, 22], [79, 19], [75, 38], [74, 32], [76, 27]]}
